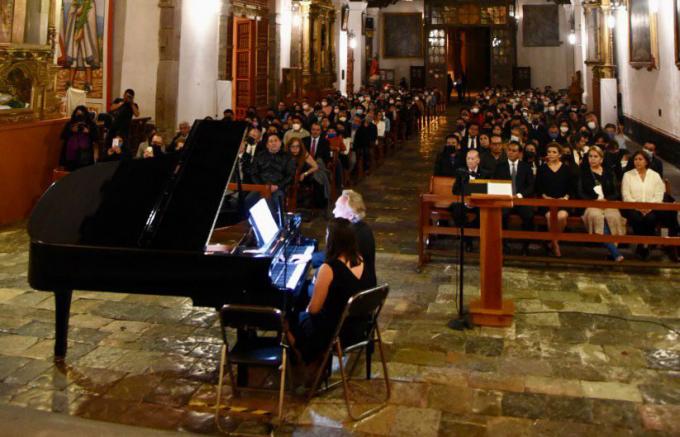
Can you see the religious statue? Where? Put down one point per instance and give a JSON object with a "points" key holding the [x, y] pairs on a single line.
{"points": [[80, 44], [575, 89]]}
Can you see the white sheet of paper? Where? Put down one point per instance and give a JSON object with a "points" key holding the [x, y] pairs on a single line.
{"points": [[499, 188]]}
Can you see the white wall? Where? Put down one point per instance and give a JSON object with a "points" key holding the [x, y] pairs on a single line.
{"points": [[552, 66], [402, 67], [645, 92], [198, 61], [136, 54]]}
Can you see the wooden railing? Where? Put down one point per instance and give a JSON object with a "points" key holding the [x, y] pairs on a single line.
{"points": [[432, 204]]}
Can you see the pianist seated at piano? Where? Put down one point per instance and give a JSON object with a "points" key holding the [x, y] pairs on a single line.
{"points": [[273, 167], [350, 205], [343, 274]]}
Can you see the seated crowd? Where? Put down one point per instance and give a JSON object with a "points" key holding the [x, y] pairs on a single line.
{"points": [[317, 147], [553, 148]]}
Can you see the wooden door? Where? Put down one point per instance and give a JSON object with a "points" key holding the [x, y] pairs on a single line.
{"points": [[250, 65], [261, 66], [244, 65]]}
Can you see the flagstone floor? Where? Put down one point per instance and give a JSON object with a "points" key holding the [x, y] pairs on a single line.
{"points": [[591, 351]]}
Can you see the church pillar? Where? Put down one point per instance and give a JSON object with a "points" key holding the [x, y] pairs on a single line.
{"points": [[604, 83], [306, 52], [355, 25], [167, 85]]}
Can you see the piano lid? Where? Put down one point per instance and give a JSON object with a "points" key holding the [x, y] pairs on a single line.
{"points": [[169, 202]]}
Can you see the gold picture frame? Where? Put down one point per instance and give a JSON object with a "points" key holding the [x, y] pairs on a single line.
{"points": [[642, 35]]}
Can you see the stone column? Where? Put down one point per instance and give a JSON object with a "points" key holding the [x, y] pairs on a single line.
{"points": [[356, 9], [306, 52], [167, 86]]}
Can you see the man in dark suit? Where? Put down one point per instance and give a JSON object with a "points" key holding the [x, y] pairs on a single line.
{"points": [[445, 165], [460, 212], [522, 179], [317, 145], [537, 131], [470, 141]]}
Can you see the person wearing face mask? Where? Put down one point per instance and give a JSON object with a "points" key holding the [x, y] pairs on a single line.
{"points": [[537, 131], [364, 134], [445, 164], [296, 130], [564, 132], [554, 135], [592, 124], [79, 136]]}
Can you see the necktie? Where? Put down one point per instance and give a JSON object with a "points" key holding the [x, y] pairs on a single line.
{"points": [[513, 176], [314, 140]]}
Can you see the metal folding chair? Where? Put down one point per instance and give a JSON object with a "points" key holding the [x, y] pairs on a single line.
{"points": [[252, 350], [363, 307]]}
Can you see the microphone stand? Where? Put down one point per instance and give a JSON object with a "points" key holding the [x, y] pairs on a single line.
{"points": [[462, 322]]}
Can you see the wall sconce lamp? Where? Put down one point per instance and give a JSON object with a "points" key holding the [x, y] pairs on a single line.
{"points": [[572, 38], [611, 21], [352, 40]]}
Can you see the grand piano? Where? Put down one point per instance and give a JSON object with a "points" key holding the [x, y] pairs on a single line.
{"points": [[149, 227]]}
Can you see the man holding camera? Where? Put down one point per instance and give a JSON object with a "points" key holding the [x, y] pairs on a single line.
{"points": [[122, 111]]}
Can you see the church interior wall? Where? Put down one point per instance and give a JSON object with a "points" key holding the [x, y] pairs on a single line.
{"points": [[651, 97], [552, 66], [138, 60], [402, 67], [197, 96]]}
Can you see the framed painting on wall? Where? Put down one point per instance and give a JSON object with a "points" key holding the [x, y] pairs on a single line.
{"points": [[402, 35], [540, 26], [84, 50], [593, 49], [641, 44], [344, 18], [6, 18]]}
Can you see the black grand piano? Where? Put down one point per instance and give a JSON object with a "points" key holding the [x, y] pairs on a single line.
{"points": [[148, 227]]}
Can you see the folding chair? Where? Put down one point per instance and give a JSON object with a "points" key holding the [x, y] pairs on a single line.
{"points": [[252, 350], [364, 306]]}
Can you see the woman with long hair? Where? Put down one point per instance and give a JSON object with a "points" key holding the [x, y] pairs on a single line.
{"points": [[341, 276], [553, 181], [79, 137]]}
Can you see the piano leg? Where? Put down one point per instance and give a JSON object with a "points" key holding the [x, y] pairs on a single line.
{"points": [[62, 300]]}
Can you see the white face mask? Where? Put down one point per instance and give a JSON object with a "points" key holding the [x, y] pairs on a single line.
{"points": [[564, 129], [297, 126], [514, 138], [475, 110], [343, 119], [592, 125], [360, 111]]}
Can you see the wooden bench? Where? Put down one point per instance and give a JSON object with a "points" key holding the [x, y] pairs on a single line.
{"points": [[434, 206]]}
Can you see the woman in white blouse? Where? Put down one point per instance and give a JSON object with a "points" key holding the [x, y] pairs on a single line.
{"points": [[642, 184]]}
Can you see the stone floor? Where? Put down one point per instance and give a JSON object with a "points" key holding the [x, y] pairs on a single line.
{"points": [[591, 351]]}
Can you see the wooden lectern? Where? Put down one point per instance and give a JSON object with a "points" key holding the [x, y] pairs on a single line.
{"points": [[491, 309]]}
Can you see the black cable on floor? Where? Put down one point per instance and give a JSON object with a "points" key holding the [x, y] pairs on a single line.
{"points": [[611, 316]]}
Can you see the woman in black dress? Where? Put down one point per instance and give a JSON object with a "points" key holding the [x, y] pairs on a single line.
{"points": [[340, 277], [554, 181]]}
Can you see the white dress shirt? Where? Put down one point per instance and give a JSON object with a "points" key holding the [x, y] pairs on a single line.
{"points": [[634, 189]]}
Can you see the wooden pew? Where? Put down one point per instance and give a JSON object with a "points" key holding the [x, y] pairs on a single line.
{"points": [[434, 206]]}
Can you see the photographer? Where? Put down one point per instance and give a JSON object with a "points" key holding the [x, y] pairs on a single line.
{"points": [[122, 110], [79, 137]]}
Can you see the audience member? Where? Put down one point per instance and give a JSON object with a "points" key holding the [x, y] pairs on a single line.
{"points": [[79, 138], [642, 184], [599, 183], [554, 181]]}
